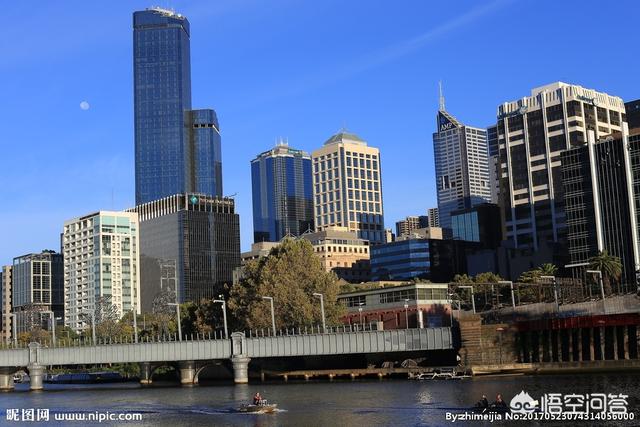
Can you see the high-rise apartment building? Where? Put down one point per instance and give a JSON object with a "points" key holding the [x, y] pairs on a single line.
{"points": [[462, 166], [532, 133], [409, 224], [176, 149], [632, 108], [189, 246], [433, 217], [101, 265], [599, 202], [282, 193], [5, 306], [37, 285], [347, 187]]}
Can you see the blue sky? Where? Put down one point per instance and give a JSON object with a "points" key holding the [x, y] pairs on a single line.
{"points": [[296, 69]]}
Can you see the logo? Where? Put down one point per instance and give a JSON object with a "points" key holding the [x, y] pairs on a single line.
{"points": [[522, 403], [193, 200], [523, 109]]}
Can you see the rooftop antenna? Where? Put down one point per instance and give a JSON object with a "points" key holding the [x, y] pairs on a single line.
{"points": [[441, 99]]}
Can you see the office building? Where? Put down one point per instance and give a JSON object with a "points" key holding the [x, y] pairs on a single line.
{"points": [[433, 217], [409, 224], [419, 258], [101, 265], [282, 193], [37, 289], [532, 133], [427, 306], [176, 149], [342, 252], [189, 245], [6, 306], [599, 202], [388, 235], [494, 171], [462, 166], [348, 187], [480, 223], [632, 109]]}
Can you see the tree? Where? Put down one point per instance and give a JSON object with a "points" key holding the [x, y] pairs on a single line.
{"points": [[610, 266], [462, 279], [291, 273], [163, 313]]}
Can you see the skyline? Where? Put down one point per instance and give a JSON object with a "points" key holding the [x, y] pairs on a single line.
{"points": [[387, 71]]}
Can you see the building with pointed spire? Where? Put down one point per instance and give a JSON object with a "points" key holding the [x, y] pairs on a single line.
{"points": [[282, 193], [347, 187], [462, 166]]}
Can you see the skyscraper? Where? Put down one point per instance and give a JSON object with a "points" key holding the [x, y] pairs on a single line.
{"points": [[599, 202], [433, 217], [189, 246], [101, 261], [347, 187], [6, 306], [282, 193], [406, 226], [176, 149], [462, 166], [532, 133]]}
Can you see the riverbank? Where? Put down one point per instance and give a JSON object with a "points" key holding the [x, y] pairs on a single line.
{"points": [[557, 368]]}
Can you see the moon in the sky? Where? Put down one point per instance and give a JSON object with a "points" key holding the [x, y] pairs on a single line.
{"points": [[84, 105]]}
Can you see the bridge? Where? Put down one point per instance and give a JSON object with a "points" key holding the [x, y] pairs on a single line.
{"points": [[240, 349]]}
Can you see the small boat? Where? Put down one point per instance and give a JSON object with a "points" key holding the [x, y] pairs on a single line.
{"points": [[259, 409]]}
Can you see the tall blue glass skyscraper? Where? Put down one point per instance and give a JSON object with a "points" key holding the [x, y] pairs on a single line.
{"points": [[177, 150], [282, 194]]}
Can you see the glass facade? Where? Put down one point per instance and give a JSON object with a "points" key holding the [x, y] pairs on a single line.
{"points": [[282, 194], [465, 226], [400, 260], [162, 94], [204, 140]]}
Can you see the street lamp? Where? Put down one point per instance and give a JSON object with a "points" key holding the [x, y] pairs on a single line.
{"points": [[324, 324], [273, 316], [360, 311], [224, 314], [513, 297], [52, 317], [135, 323], [178, 316], [473, 299], [406, 313], [600, 281], [93, 324]]}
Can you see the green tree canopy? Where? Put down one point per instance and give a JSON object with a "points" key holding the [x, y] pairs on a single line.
{"points": [[291, 273], [609, 265]]}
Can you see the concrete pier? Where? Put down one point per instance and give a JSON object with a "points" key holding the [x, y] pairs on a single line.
{"points": [[6, 379], [188, 373], [240, 369], [36, 374], [145, 373]]}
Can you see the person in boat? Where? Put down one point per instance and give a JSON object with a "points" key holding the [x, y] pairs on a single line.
{"points": [[257, 399], [499, 403], [483, 403]]}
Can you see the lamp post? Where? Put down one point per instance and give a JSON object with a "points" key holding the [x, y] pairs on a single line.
{"points": [[513, 297], [324, 324], [600, 281], [52, 317], [450, 309], [473, 298], [406, 313], [224, 314], [135, 323], [555, 289], [178, 316], [273, 316], [360, 311], [93, 325]]}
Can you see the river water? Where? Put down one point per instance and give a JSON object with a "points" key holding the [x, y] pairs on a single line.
{"points": [[314, 403]]}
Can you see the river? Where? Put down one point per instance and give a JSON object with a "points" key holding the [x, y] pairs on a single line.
{"points": [[315, 403]]}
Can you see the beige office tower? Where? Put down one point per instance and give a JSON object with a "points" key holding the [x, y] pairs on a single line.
{"points": [[532, 132], [347, 187], [5, 286], [101, 260]]}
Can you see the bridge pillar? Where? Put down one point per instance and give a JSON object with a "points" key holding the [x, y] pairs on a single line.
{"points": [[36, 375], [240, 369], [187, 373], [6, 379], [145, 373]]}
